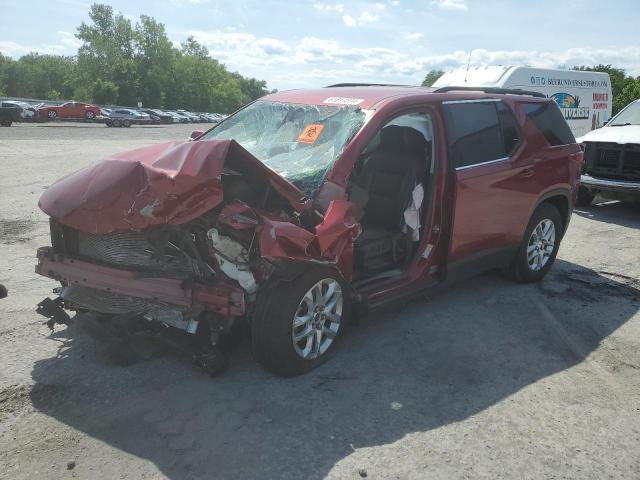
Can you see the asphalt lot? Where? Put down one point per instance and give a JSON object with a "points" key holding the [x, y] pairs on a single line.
{"points": [[487, 380]]}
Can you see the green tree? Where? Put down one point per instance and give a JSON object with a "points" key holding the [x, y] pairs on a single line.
{"points": [[53, 95], [104, 92], [432, 77], [155, 59], [122, 63], [621, 85], [107, 52]]}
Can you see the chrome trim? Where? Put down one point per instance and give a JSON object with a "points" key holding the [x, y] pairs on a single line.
{"points": [[481, 100], [464, 167], [607, 183]]}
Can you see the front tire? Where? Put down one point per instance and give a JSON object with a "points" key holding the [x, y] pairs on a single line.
{"points": [[126, 123], [297, 323], [89, 115], [52, 114], [539, 246]]}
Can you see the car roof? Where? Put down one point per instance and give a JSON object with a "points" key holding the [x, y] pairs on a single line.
{"points": [[368, 96]]}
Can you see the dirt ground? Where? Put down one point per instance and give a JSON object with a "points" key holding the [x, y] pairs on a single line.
{"points": [[487, 380]]}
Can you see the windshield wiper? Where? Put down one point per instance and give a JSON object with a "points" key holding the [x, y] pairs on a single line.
{"points": [[621, 124]]}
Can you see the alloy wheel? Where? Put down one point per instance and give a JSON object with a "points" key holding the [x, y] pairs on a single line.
{"points": [[317, 319], [541, 244]]}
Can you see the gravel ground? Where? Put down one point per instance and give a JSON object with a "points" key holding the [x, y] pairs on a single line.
{"points": [[487, 380]]}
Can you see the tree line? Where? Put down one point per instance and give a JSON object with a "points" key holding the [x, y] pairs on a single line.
{"points": [[624, 88], [122, 63]]}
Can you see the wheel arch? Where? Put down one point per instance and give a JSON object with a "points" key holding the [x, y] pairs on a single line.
{"points": [[561, 199]]}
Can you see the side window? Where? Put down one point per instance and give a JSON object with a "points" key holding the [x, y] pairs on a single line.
{"points": [[550, 121], [510, 130], [473, 132]]}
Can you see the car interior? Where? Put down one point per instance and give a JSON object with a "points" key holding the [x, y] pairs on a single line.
{"points": [[391, 187]]}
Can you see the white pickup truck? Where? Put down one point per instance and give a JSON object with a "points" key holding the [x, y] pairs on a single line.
{"points": [[612, 158]]}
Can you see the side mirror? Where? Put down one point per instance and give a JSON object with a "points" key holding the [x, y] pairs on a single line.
{"points": [[196, 134]]}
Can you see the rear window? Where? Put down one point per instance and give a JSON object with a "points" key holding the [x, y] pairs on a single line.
{"points": [[480, 131], [549, 120]]}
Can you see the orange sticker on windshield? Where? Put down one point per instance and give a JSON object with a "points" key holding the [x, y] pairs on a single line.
{"points": [[310, 133]]}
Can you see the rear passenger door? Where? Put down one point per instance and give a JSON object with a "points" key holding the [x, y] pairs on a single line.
{"points": [[483, 141]]}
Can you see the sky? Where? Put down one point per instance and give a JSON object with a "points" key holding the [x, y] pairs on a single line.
{"points": [[298, 44]]}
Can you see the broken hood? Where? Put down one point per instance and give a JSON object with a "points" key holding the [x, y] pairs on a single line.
{"points": [[168, 183]]}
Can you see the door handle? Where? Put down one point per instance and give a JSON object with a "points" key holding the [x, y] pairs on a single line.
{"points": [[527, 172]]}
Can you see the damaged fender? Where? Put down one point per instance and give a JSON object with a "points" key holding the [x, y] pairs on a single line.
{"points": [[332, 241]]}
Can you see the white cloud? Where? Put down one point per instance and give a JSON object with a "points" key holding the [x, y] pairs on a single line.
{"points": [[66, 44], [349, 21], [69, 40], [312, 61], [450, 5], [413, 36], [365, 18], [329, 7], [271, 46]]}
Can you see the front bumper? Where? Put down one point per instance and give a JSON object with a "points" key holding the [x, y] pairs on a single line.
{"points": [[225, 300], [609, 185]]}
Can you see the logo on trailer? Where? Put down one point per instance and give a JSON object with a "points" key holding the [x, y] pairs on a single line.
{"points": [[570, 106]]}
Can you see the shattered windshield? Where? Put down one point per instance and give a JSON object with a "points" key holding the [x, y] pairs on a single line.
{"points": [[300, 142]]}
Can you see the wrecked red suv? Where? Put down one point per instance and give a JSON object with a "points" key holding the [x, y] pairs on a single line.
{"points": [[308, 205]]}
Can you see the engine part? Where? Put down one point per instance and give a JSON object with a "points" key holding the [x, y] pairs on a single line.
{"points": [[52, 309]]}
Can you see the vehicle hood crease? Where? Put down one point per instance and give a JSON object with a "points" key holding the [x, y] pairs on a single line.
{"points": [[173, 182]]}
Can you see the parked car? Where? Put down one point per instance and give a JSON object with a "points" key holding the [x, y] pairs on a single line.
{"points": [[70, 110], [184, 118], [28, 109], [612, 159], [161, 116], [308, 205], [175, 117], [193, 118], [126, 117], [10, 113]]}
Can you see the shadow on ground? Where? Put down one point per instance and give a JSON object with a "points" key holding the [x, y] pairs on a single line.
{"points": [[406, 370], [618, 213]]}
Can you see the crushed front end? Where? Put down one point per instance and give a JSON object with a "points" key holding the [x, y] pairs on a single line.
{"points": [[181, 235]]}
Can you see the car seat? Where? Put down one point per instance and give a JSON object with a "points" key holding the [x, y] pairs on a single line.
{"points": [[388, 176]]}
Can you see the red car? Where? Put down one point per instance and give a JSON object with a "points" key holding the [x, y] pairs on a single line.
{"points": [[70, 110], [309, 205]]}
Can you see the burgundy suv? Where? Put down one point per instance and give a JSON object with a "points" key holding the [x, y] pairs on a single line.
{"points": [[307, 204]]}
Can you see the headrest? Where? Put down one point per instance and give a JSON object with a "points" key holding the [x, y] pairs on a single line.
{"points": [[403, 138]]}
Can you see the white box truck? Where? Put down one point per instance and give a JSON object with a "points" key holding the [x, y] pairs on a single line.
{"points": [[583, 97]]}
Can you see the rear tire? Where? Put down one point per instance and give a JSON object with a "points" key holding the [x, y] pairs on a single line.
{"points": [[585, 197], [539, 246], [116, 123], [6, 122], [304, 308]]}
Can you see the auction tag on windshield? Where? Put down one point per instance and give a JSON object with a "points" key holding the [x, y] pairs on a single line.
{"points": [[343, 100], [310, 133]]}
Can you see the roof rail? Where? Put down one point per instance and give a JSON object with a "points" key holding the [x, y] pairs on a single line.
{"points": [[510, 91], [366, 85]]}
